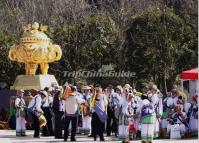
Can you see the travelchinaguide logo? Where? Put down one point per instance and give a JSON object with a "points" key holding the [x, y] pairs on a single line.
{"points": [[104, 71]]}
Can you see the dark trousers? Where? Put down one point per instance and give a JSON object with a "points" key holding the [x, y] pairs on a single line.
{"points": [[98, 126], [69, 119], [111, 119], [36, 125], [47, 130], [58, 124], [92, 128]]}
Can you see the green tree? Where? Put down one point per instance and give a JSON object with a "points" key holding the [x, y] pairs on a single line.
{"points": [[87, 45], [8, 69], [155, 45]]}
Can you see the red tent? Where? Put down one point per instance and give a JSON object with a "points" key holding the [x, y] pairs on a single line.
{"points": [[190, 74]]}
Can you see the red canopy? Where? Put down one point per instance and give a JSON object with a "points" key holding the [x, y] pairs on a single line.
{"points": [[190, 74]]}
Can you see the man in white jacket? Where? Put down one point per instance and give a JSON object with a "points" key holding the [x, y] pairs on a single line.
{"points": [[71, 112]]}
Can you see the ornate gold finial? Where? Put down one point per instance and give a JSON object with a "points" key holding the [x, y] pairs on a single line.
{"points": [[35, 48], [35, 26], [43, 28]]}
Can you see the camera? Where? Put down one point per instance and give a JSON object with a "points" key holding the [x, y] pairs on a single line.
{"points": [[180, 97]]}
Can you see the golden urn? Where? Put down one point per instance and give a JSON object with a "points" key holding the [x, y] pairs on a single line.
{"points": [[35, 48]]}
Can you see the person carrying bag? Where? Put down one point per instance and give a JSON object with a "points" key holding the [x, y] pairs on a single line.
{"points": [[34, 108]]}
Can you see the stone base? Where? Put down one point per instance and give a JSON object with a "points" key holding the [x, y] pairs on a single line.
{"points": [[39, 82]]}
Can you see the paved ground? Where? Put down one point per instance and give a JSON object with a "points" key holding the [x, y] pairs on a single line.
{"points": [[8, 136]]}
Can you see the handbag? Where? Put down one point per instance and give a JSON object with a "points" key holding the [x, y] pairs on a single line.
{"points": [[31, 110]]}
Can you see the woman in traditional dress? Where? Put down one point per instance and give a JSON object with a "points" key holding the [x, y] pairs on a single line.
{"points": [[168, 104], [20, 114], [192, 114], [147, 119], [155, 97], [86, 113], [125, 114], [134, 124]]}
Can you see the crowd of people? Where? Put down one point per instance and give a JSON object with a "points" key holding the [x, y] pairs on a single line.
{"points": [[115, 111]]}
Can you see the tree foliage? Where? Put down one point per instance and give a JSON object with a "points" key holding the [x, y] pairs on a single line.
{"points": [[158, 47], [157, 39], [9, 70], [87, 45]]}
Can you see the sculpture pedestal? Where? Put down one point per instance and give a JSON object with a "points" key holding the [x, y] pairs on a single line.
{"points": [[39, 82]]}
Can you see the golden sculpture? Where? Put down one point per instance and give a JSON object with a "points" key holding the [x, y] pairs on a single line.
{"points": [[35, 48]]}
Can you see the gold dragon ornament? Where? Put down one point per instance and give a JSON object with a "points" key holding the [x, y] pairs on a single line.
{"points": [[35, 48]]}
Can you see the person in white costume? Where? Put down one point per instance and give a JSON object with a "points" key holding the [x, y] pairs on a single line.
{"points": [[156, 99], [168, 105], [119, 91], [147, 114], [20, 114], [86, 112], [177, 120], [124, 115], [192, 113], [134, 125]]}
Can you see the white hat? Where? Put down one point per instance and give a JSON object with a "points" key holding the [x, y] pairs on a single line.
{"points": [[43, 92]]}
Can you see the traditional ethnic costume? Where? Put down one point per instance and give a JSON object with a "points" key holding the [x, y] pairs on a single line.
{"points": [[125, 114], [168, 104], [86, 113], [176, 125], [157, 102], [192, 114], [134, 124], [193, 122], [147, 119], [20, 116]]}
